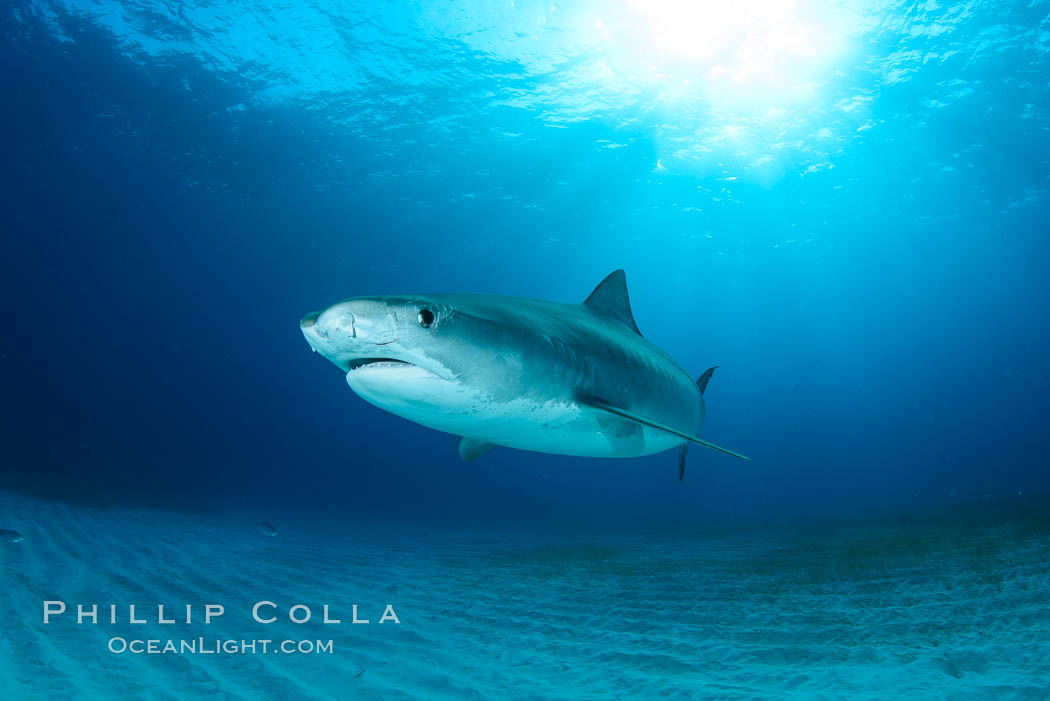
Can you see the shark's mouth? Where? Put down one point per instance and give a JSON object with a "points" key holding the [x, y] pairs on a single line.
{"points": [[358, 363], [354, 366]]}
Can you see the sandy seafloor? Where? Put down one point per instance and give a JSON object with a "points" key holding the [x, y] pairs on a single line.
{"points": [[936, 609]]}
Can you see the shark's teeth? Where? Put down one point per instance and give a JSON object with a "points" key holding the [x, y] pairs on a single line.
{"points": [[358, 363]]}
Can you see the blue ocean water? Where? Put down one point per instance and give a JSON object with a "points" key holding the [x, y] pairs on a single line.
{"points": [[843, 205]]}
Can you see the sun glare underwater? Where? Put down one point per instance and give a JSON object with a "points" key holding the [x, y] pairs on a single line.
{"points": [[841, 206]]}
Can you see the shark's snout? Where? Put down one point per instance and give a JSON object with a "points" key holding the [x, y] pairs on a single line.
{"points": [[351, 330], [311, 330], [332, 323], [336, 322]]}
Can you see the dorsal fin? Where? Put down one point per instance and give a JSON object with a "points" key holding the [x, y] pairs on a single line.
{"points": [[609, 299]]}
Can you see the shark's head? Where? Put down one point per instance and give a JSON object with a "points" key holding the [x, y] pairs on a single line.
{"points": [[380, 335], [426, 358]]}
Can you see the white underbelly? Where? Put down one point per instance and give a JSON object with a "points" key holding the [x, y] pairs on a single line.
{"points": [[560, 427]]}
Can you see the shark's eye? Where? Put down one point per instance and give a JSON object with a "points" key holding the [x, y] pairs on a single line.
{"points": [[426, 318]]}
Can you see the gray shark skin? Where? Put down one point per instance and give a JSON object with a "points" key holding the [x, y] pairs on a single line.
{"points": [[572, 379]]}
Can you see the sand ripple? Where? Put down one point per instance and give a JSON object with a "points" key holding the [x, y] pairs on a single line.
{"points": [[934, 611]]}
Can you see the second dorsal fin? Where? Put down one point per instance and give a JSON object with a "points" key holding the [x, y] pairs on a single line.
{"points": [[609, 299]]}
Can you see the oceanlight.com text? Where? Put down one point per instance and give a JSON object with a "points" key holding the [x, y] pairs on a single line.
{"points": [[217, 646]]}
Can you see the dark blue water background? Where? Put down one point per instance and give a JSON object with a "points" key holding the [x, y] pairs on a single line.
{"points": [[863, 253]]}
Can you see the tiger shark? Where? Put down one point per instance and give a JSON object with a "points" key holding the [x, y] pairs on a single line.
{"points": [[570, 379]]}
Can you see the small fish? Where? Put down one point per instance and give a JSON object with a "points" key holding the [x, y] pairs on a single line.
{"points": [[267, 528], [11, 536]]}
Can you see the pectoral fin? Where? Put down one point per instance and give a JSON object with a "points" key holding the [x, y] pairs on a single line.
{"points": [[682, 452], [596, 403], [470, 448]]}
